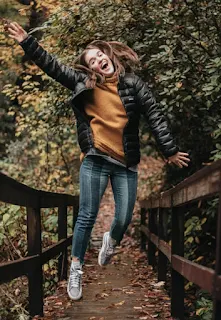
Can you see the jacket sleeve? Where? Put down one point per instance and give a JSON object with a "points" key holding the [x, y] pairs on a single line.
{"points": [[67, 76], [155, 118]]}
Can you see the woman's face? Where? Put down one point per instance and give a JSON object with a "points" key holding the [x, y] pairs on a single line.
{"points": [[98, 61]]}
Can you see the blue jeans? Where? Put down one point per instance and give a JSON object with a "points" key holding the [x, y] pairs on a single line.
{"points": [[94, 176]]}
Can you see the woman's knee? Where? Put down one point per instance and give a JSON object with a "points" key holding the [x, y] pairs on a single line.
{"points": [[86, 218]]}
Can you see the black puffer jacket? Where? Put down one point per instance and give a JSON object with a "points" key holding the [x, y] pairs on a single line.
{"points": [[134, 93]]}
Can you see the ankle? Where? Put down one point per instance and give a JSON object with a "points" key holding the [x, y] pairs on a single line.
{"points": [[75, 259], [75, 263], [113, 242]]}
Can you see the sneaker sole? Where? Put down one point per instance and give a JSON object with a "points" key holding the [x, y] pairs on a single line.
{"points": [[105, 237]]}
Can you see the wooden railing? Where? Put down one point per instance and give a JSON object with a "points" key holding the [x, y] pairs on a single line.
{"points": [[202, 185], [13, 192]]}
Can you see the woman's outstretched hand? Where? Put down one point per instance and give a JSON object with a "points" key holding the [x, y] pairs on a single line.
{"points": [[15, 31], [181, 159]]}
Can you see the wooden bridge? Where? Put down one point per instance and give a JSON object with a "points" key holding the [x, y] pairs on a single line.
{"points": [[204, 184]]}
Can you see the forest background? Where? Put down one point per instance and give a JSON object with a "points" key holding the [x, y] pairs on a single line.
{"points": [[179, 45]]}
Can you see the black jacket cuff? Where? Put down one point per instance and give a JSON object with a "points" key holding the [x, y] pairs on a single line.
{"points": [[27, 42]]}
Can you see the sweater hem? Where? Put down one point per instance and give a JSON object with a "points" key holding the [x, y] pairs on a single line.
{"points": [[103, 147]]}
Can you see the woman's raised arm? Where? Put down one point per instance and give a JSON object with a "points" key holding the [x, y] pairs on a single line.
{"points": [[67, 76]]}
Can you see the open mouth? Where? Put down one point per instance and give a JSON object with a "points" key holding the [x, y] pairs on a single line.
{"points": [[104, 65]]}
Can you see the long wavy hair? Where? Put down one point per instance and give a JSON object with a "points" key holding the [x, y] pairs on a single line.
{"points": [[123, 58]]}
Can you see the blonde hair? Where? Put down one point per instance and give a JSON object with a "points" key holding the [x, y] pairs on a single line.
{"points": [[123, 58]]}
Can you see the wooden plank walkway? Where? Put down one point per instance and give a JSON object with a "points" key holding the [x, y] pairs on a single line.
{"points": [[125, 289]]}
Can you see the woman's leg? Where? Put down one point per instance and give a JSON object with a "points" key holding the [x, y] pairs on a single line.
{"points": [[124, 185], [94, 175]]}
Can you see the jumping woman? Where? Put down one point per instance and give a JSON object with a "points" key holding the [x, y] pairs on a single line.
{"points": [[108, 100]]}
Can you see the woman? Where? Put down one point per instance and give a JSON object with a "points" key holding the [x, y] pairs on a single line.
{"points": [[107, 102]]}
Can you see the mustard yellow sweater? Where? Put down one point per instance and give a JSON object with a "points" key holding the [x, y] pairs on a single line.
{"points": [[108, 119]]}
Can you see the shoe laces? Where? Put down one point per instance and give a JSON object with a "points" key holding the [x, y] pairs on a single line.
{"points": [[110, 250], [75, 277]]}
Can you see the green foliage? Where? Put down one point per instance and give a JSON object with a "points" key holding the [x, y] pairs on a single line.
{"points": [[204, 308], [200, 246], [179, 46], [185, 70], [200, 232], [13, 231], [50, 276], [9, 9], [216, 154]]}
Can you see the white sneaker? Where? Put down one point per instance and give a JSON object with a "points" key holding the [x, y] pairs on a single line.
{"points": [[107, 250], [74, 288]]}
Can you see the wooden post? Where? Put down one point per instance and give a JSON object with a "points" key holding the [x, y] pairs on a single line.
{"points": [[35, 275], [216, 302], [151, 245], [162, 233], [142, 235], [177, 280], [62, 234]]}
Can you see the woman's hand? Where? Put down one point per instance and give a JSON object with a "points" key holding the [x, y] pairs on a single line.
{"points": [[15, 31], [181, 159]]}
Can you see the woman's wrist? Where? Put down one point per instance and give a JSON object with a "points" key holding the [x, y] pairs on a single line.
{"points": [[23, 38]]}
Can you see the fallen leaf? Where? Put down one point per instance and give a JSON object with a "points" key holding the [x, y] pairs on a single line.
{"points": [[17, 291], [129, 292], [117, 289], [137, 285], [159, 284], [119, 303]]}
